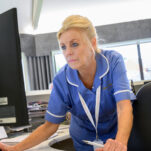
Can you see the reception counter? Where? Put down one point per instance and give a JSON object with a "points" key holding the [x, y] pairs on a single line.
{"points": [[60, 135]]}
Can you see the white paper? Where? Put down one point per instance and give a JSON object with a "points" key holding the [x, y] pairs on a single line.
{"points": [[2, 132], [93, 143]]}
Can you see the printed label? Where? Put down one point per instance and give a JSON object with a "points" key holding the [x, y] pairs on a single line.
{"points": [[3, 100], [8, 120]]}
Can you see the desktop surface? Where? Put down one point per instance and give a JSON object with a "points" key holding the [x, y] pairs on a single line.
{"points": [[61, 134]]}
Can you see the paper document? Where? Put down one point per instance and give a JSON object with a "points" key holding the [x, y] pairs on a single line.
{"points": [[2, 132], [93, 143]]}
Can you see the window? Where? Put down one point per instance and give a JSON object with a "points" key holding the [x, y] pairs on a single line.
{"points": [[146, 57], [58, 61], [130, 55], [25, 72]]}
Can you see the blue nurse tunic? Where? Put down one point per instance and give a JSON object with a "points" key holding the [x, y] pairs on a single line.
{"points": [[111, 76]]}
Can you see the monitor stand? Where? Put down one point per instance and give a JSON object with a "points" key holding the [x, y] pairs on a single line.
{"points": [[3, 133]]}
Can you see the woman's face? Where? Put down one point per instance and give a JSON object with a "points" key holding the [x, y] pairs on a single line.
{"points": [[77, 49]]}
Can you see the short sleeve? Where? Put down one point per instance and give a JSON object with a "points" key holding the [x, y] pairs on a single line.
{"points": [[121, 86], [57, 107]]}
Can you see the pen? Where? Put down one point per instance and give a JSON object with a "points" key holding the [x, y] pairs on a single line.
{"points": [[93, 143]]}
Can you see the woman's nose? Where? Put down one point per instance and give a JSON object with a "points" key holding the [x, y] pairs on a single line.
{"points": [[69, 51]]}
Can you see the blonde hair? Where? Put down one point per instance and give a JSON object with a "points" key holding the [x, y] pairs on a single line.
{"points": [[80, 22]]}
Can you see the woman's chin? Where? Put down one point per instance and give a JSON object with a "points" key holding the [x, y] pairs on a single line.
{"points": [[73, 66]]}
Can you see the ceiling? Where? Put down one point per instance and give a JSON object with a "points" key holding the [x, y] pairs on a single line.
{"points": [[53, 12]]}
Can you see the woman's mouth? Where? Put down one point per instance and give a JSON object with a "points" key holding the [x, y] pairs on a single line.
{"points": [[72, 60]]}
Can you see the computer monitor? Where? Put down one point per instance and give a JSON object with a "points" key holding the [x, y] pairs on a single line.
{"points": [[13, 105]]}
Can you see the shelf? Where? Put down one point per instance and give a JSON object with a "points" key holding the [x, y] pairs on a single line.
{"points": [[38, 92]]}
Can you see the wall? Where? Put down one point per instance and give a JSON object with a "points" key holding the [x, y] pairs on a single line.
{"points": [[46, 43], [127, 31], [28, 44]]}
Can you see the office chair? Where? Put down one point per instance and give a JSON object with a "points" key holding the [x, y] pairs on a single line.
{"points": [[140, 138]]}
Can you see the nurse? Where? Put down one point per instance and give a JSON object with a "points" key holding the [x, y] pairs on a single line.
{"points": [[93, 86]]}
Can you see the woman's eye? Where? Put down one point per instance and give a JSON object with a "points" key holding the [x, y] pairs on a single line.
{"points": [[75, 44], [63, 47]]}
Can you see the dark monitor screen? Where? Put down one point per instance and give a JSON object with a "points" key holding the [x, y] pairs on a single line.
{"points": [[13, 106]]}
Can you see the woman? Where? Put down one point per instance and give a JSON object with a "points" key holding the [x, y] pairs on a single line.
{"points": [[93, 86]]}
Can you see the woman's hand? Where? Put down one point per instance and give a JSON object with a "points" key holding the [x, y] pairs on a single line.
{"points": [[113, 145]]}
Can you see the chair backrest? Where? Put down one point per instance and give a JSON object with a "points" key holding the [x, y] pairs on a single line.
{"points": [[140, 138]]}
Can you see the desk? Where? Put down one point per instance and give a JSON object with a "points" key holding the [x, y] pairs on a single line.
{"points": [[61, 134]]}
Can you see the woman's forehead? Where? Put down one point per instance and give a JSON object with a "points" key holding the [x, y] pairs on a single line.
{"points": [[72, 35]]}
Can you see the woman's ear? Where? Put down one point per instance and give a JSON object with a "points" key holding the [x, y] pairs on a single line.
{"points": [[94, 43]]}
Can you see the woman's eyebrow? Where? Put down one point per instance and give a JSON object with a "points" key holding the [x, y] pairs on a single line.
{"points": [[72, 40]]}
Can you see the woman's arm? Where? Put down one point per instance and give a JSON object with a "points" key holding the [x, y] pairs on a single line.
{"points": [[125, 120], [39, 135]]}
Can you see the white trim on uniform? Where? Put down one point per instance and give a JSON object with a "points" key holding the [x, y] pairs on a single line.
{"points": [[121, 91], [72, 83], [58, 116], [107, 67]]}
